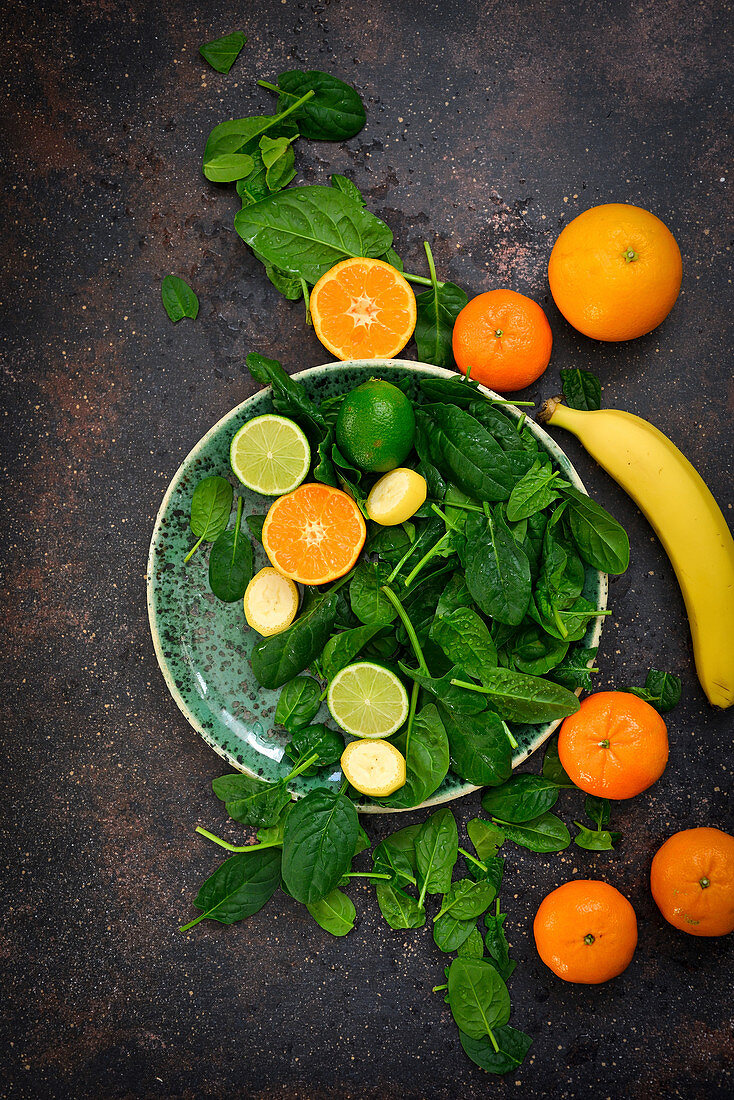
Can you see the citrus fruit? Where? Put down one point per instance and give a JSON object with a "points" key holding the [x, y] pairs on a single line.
{"points": [[375, 427], [270, 454], [614, 746], [586, 931], [271, 602], [692, 881], [314, 534], [368, 700], [615, 272], [503, 340], [374, 767], [396, 497], [363, 309]]}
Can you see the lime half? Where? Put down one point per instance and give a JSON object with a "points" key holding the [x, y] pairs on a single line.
{"points": [[368, 700], [270, 454]]}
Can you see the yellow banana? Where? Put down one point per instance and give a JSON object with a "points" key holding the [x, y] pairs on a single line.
{"points": [[685, 517]]}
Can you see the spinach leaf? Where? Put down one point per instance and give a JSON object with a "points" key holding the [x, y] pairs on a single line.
{"points": [[254, 187], [545, 834], [595, 840], [436, 849], [485, 837], [306, 230], [598, 809], [341, 649], [249, 800], [450, 932], [242, 134], [581, 388], [256, 523], [499, 426], [497, 569], [467, 899], [437, 310], [472, 947], [288, 397], [396, 855], [465, 452], [465, 639], [456, 594], [399, 909], [335, 913], [228, 167], [536, 653], [240, 887], [533, 492], [211, 504], [478, 997], [575, 669], [221, 53], [456, 391], [319, 739], [457, 699], [426, 752], [278, 160], [521, 798], [662, 690], [552, 767], [496, 943], [480, 750], [178, 298], [277, 659], [335, 113], [531, 699], [599, 539], [495, 869], [273, 834], [298, 703], [513, 1046], [348, 188], [230, 562], [369, 602], [318, 844]]}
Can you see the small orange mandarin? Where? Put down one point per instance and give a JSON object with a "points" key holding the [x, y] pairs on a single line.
{"points": [[586, 931], [314, 534], [614, 746], [692, 881], [503, 340], [363, 309]]}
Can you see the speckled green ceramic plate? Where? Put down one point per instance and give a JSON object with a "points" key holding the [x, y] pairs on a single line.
{"points": [[203, 645]]}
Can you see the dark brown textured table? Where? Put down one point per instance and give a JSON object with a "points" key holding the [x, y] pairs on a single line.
{"points": [[489, 126]]}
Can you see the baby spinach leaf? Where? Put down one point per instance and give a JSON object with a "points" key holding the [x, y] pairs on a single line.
{"points": [[319, 739], [499, 426], [552, 767], [598, 809], [599, 539], [254, 187], [581, 388], [289, 398], [318, 844], [533, 492], [496, 943], [595, 840], [369, 602], [335, 913], [455, 698], [278, 160], [396, 855], [273, 834], [531, 699], [521, 798], [575, 669], [662, 690], [436, 849], [399, 909], [437, 310], [478, 997], [536, 653], [467, 899], [456, 594], [228, 167], [240, 887], [426, 753], [545, 834], [472, 947], [341, 649], [465, 639], [221, 53], [277, 659], [211, 504], [485, 837], [465, 452], [480, 750], [255, 523], [242, 134], [497, 569], [450, 932], [249, 800], [456, 391], [306, 230], [348, 188], [298, 702], [179, 299], [513, 1046], [335, 113], [230, 562]]}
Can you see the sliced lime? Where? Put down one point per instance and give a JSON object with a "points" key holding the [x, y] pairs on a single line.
{"points": [[270, 454], [368, 700]]}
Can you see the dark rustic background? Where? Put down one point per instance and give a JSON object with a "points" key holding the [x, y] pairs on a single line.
{"points": [[490, 125]]}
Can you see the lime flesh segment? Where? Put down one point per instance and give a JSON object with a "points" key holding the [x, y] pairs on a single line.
{"points": [[270, 454], [368, 700]]}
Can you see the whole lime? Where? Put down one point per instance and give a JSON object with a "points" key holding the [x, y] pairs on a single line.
{"points": [[376, 426]]}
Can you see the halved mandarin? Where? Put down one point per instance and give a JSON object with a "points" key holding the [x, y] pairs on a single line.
{"points": [[363, 309], [314, 534]]}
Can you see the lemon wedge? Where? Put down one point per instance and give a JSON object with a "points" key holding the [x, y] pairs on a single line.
{"points": [[375, 768], [271, 602], [396, 497]]}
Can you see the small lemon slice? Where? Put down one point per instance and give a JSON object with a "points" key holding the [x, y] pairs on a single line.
{"points": [[270, 454], [271, 602], [375, 768], [396, 497], [368, 700]]}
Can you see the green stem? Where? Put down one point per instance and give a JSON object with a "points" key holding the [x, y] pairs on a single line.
{"points": [[364, 874], [293, 106], [273, 88], [559, 622], [236, 847], [344, 786], [468, 855], [456, 504], [510, 738], [185, 927], [421, 280], [411, 715], [431, 265], [435, 549], [493, 1041], [409, 629], [473, 687], [307, 300], [301, 767], [401, 563], [193, 550], [324, 693], [438, 988]]}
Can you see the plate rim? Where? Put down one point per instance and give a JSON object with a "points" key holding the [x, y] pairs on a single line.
{"points": [[548, 442]]}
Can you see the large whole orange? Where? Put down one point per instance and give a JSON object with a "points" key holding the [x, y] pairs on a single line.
{"points": [[503, 340], [586, 931], [615, 272], [692, 881]]}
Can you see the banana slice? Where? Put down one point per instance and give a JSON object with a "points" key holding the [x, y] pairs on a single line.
{"points": [[396, 497], [375, 768], [271, 602]]}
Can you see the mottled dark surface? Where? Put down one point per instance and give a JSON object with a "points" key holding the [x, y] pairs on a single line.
{"points": [[489, 126]]}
